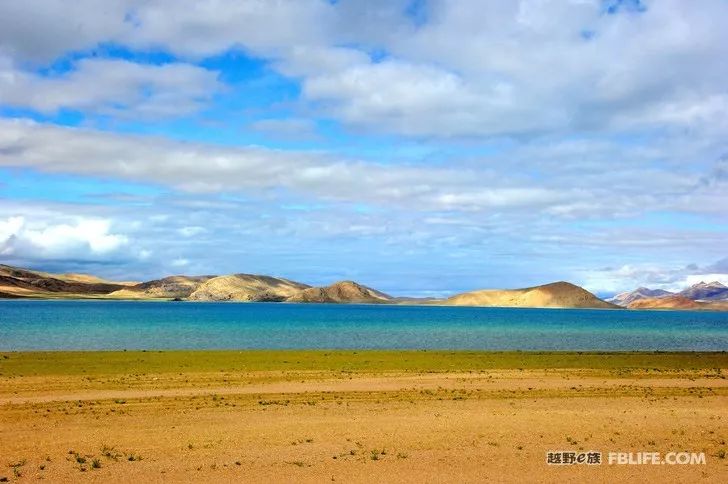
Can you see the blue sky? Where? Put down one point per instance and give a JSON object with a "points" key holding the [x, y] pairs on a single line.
{"points": [[421, 147]]}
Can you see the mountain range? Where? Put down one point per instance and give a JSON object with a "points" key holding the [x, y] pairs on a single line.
{"points": [[25, 283], [703, 295]]}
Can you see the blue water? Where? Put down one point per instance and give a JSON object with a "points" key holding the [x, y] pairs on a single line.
{"points": [[97, 325]]}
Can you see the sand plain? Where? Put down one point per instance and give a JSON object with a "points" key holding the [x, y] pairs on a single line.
{"points": [[357, 416]]}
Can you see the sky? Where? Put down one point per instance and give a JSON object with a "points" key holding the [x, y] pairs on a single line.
{"points": [[422, 147]]}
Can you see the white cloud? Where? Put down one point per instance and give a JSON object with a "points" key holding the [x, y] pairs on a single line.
{"points": [[575, 186], [192, 231], [81, 238], [204, 28], [513, 68], [33, 29], [180, 262], [209, 169], [109, 86]]}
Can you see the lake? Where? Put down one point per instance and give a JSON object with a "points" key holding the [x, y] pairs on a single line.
{"points": [[100, 325]]}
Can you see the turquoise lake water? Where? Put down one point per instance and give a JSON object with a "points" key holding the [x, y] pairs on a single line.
{"points": [[97, 325]]}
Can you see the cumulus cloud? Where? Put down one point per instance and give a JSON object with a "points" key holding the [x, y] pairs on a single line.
{"points": [[82, 238], [514, 68]]}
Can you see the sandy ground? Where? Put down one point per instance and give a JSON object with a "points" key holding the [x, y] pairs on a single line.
{"points": [[489, 426]]}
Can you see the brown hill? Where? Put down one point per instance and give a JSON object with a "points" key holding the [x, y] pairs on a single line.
{"points": [[90, 279], [554, 295], [678, 302], [246, 287], [166, 288], [17, 282], [341, 292]]}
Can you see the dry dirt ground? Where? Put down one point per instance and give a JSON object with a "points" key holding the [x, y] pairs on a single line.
{"points": [[307, 426]]}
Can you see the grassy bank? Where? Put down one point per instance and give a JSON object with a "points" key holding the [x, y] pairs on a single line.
{"points": [[115, 362]]}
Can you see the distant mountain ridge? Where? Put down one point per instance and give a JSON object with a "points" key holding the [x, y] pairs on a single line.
{"points": [[24, 283], [624, 299], [673, 301], [705, 296], [710, 291], [676, 301]]}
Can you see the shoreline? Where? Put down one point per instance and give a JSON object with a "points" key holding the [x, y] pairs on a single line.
{"points": [[380, 304]]}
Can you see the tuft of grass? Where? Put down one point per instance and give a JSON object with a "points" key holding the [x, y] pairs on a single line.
{"points": [[375, 454], [110, 452], [17, 466]]}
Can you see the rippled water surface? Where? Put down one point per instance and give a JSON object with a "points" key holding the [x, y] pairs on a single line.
{"points": [[87, 325]]}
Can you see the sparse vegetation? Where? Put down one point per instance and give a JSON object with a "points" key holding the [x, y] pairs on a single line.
{"points": [[17, 468], [96, 363], [375, 454], [110, 452]]}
